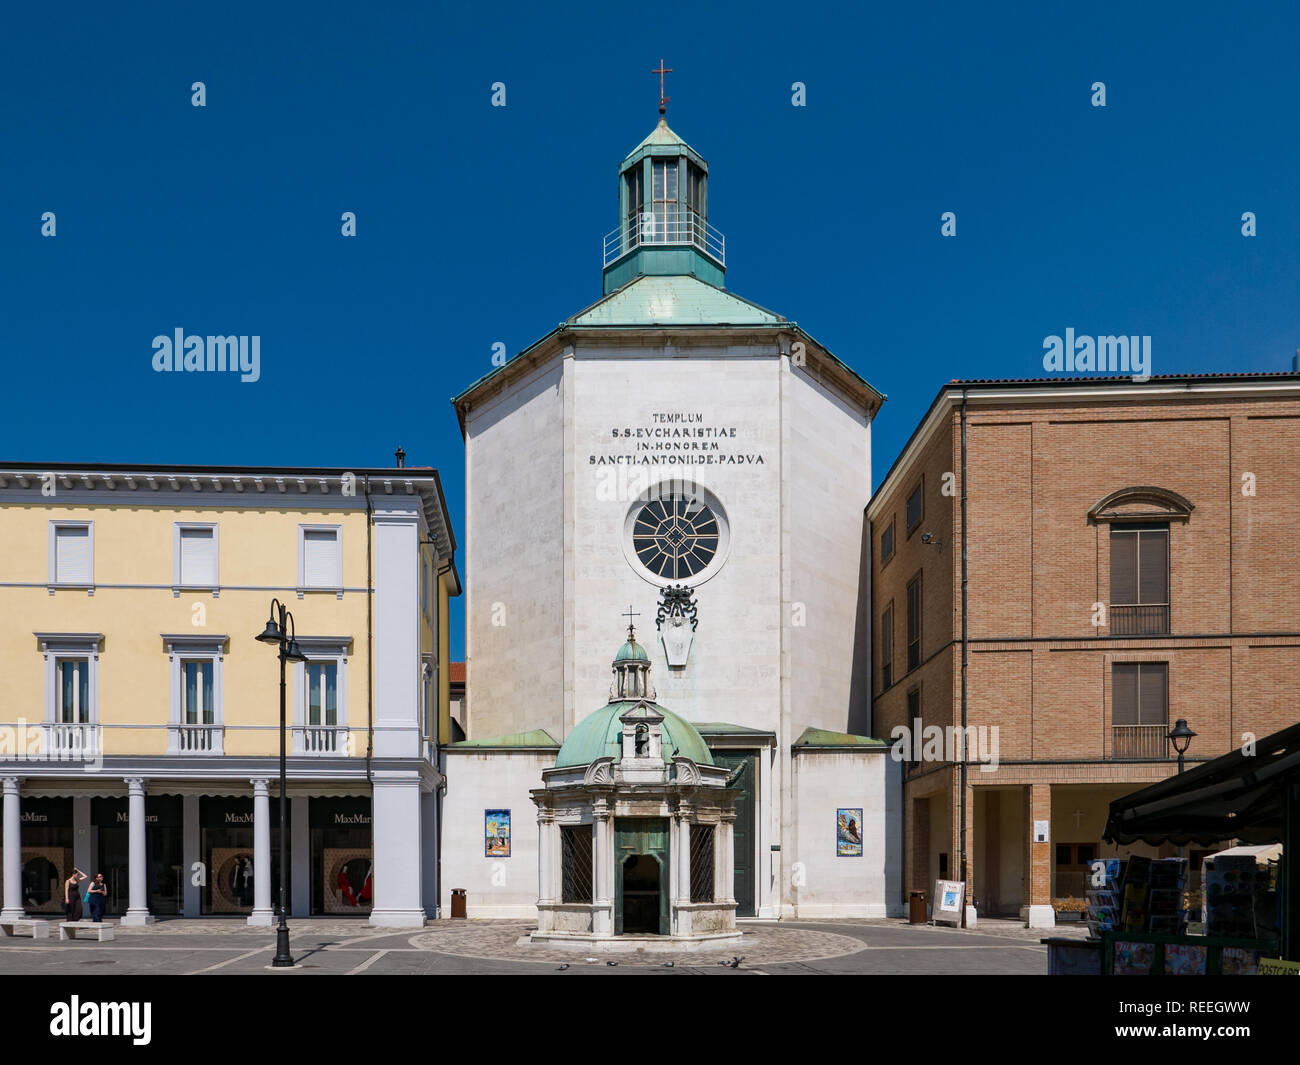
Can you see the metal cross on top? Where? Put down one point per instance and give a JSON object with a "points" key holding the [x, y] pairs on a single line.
{"points": [[630, 612], [663, 100]]}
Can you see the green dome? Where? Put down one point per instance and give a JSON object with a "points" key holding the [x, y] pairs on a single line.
{"points": [[631, 652], [597, 735]]}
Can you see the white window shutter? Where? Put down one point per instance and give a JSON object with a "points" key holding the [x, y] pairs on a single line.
{"points": [[72, 555], [198, 558], [320, 558]]}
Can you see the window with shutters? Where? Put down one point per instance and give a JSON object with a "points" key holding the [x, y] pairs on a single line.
{"points": [[916, 506], [195, 563], [914, 624], [320, 557], [575, 863], [72, 554], [887, 647], [1139, 579], [1139, 712], [887, 543], [702, 863]]}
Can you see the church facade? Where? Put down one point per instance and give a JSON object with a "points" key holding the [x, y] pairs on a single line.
{"points": [[680, 455]]}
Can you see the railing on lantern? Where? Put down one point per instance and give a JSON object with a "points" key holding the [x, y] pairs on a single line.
{"points": [[652, 229], [1139, 741]]}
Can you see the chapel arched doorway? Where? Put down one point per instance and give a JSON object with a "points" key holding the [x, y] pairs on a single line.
{"points": [[641, 895]]}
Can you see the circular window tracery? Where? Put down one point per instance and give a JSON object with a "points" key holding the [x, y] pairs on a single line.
{"points": [[676, 537]]}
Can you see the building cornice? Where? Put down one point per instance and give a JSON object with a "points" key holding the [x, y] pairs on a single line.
{"points": [[1049, 393]]}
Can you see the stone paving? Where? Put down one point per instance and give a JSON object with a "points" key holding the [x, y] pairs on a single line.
{"points": [[336, 946], [762, 944]]}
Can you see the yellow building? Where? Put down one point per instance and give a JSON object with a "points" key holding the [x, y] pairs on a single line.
{"points": [[139, 713]]}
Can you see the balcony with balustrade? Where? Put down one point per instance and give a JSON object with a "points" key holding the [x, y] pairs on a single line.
{"points": [[1146, 742], [193, 739]]}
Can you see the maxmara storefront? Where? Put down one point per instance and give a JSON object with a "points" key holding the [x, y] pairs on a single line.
{"points": [[170, 848]]}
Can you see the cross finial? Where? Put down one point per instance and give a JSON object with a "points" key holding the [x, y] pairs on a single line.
{"points": [[631, 632], [663, 100]]}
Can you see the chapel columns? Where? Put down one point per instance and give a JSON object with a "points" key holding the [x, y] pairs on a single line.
{"points": [[602, 842]]}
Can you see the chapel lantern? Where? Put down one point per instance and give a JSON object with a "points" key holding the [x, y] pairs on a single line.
{"points": [[663, 212]]}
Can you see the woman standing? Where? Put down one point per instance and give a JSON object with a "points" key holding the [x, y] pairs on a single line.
{"points": [[96, 896], [72, 895]]}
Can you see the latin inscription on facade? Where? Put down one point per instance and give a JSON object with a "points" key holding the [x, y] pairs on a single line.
{"points": [[675, 439]]}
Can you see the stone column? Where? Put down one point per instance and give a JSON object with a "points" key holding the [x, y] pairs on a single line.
{"points": [[262, 912], [545, 819], [725, 891], [191, 856], [678, 919], [138, 908], [299, 856], [1037, 908], [602, 920], [395, 827], [683, 855], [13, 852]]}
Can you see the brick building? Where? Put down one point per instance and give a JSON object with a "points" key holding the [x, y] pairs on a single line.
{"points": [[1129, 563]]}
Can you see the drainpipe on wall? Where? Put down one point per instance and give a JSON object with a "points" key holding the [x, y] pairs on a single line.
{"points": [[965, 653], [370, 648]]}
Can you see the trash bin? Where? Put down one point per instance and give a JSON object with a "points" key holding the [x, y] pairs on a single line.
{"points": [[916, 908], [458, 902]]}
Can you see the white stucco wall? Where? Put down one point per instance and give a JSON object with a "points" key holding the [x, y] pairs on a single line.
{"points": [[477, 782], [832, 886], [514, 530]]}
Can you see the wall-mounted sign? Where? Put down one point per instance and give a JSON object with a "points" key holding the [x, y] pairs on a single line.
{"points": [[496, 833], [848, 832], [1041, 834]]}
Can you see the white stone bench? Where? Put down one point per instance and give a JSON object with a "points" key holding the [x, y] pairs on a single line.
{"points": [[39, 929], [69, 930]]}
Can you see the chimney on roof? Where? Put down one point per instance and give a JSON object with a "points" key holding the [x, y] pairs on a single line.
{"points": [[400, 456]]}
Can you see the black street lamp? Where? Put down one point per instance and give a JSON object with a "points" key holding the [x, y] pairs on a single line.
{"points": [[280, 631], [1181, 737]]}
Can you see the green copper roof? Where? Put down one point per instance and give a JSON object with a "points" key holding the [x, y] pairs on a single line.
{"points": [[662, 137], [597, 735], [820, 737], [673, 300], [536, 738], [631, 652]]}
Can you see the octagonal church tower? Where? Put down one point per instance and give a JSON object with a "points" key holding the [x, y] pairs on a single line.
{"points": [[682, 455]]}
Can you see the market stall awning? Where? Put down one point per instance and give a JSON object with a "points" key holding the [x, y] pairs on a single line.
{"points": [[1237, 796]]}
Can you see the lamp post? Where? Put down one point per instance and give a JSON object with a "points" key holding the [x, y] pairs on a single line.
{"points": [[280, 631], [1181, 737]]}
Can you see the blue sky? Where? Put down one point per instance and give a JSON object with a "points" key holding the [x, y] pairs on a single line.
{"points": [[479, 224]]}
